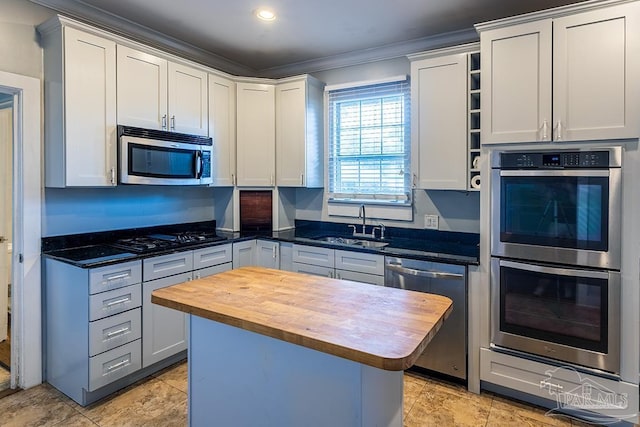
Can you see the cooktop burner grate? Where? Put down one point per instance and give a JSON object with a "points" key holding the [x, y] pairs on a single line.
{"points": [[159, 242]]}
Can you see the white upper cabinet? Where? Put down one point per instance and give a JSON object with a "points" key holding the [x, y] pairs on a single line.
{"points": [[256, 150], [154, 93], [142, 89], [439, 120], [80, 107], [595, 72], [569, 77], [516, 83], [187, 100], [299, 133], [222, 128]]}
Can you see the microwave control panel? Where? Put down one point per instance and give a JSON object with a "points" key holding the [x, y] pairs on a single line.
{"points": [[558, 160]]}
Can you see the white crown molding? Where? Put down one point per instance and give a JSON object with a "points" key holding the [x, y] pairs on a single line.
{"points": [[126, 28], [123, 27], [549, 13], [391, 51], [445, 51]]}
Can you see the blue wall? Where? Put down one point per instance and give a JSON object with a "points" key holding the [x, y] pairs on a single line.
{"points": [[81, 210]]}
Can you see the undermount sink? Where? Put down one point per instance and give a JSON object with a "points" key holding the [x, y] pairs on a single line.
{"points": [[352, 242], [371, 244]]}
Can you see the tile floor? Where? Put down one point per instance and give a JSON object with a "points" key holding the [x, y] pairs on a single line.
{"points": [[161, 400]]}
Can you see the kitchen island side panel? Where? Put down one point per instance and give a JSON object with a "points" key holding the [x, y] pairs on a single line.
{"points": [[242, 378]]}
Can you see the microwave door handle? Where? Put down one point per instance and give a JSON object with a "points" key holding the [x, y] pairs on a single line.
{"points": [[199, 164]]}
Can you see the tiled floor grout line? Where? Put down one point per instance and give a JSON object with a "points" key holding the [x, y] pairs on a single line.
{"points": [[430, 402]]}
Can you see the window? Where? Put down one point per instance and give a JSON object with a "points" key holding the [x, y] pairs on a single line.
{"points": [[369, 143]]}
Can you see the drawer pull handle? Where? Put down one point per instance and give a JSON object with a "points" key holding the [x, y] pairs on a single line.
{"points": [[119, 301], [118, 332], [118, 276], [118, 365]]}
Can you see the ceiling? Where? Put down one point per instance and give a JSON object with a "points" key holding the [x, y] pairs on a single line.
{"points": [[306, 33]]}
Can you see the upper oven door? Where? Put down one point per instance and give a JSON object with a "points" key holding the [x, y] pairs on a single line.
{"points": [[569, 216], [156, 162]]}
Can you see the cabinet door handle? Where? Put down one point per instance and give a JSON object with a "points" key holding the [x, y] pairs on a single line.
{"points": [[113, 176], [233, 179], [274, 251], [164, 121], [559, 131], [545, 129], [415, 179], [173, 122], [301, 179]]}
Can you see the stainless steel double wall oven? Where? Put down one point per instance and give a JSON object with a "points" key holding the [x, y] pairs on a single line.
{"points": [[555, 255]]}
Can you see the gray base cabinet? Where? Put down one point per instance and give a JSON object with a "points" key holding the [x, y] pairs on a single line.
{"points": [[102, 332], [92, 326], [339, 264], [164, 329]]}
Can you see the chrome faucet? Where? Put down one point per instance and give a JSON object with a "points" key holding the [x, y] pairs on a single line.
{"points": [[381, 228], [361, 213]]}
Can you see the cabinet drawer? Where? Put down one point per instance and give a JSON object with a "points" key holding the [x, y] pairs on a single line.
{"points": [[553, 382], [214, 255], [360, 262], [167, 265], [209, 271], [114, 331], [372, 279], [114, 276], [114, 364], [113, 302], [313, 255], [314, 270]]}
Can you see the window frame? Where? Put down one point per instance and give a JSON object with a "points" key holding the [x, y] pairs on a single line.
{"points": [[349, 92]]}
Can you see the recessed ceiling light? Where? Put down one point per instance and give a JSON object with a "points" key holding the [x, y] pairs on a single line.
{"points": [[266, 15]]}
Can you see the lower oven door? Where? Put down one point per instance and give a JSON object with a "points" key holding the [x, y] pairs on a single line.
{"points": [[567, 314]]}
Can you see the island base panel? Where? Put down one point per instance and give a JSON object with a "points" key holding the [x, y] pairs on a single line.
{"points": [[241, 378]]}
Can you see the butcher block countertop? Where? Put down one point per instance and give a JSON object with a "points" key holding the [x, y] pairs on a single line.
{"points": [[382, 327]]}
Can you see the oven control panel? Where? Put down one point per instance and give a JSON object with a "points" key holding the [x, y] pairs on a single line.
{"points": [[558, 160]]}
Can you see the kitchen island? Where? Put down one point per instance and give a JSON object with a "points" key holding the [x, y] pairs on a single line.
{"points": [[271, 347]]}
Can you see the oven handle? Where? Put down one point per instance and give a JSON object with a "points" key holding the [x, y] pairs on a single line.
{"points": [[557, 172], [555, 270], [398, 268]]}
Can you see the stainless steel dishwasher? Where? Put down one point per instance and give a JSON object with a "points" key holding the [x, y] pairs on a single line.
{"points": [[447, 352]]}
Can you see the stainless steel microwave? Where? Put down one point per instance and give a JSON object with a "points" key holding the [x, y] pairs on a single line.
{"points": [[154, 157]]}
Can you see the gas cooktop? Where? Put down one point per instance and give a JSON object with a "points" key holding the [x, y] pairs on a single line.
{"points": [[159, 242]]}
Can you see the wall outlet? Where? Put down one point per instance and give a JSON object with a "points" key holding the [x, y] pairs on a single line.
{"points": [[431, 222]]}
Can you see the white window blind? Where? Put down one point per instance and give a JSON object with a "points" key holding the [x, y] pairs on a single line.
{"points": [[369, 143]]}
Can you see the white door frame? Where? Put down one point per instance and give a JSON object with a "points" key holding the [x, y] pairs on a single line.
{"points": [[26, 311]]}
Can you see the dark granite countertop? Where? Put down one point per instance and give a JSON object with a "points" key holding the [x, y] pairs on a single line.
{"points": [[93, 249]]}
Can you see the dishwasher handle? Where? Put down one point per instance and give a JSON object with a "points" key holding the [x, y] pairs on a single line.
{"points": [[398, 268]]}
